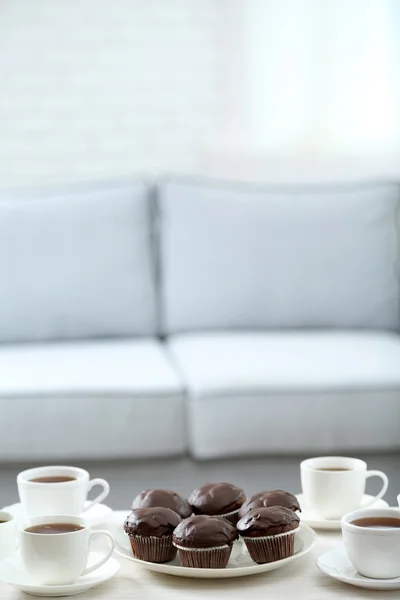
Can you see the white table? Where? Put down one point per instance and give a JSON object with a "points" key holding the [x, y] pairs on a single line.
{"points": [[299, 581]]}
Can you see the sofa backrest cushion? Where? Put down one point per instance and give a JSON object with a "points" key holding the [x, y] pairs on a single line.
{"points": [[244, 257], [77, 262]]}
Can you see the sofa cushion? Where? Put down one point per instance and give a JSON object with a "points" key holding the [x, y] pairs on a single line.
{"points": [[244, 257], [76, 262], [290, 392], [90, 400]]}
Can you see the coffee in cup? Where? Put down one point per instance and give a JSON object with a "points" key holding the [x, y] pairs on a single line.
{"points": [[57, 490], [377, 522], [54, 549], [53, 479], [372, 540], [54, 528], [334, 485], [8, 532]]}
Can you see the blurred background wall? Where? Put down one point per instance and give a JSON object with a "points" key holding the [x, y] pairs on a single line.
{"points": [[98, 88], [101, 88]]}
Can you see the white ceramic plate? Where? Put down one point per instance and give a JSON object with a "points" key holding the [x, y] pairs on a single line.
{"points": [[240, 563], [96, 515], [12, 571], [315, 521], [336, 564]]}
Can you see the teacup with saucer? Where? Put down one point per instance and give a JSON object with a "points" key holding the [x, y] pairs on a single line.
{"points": [[333, 486], [54, 557], [60, 490], [370, 557]]}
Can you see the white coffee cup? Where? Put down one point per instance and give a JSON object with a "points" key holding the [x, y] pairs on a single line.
{"points": [[332, 493], [67, 497], [373, 551], [59, 558], [8, 534]]}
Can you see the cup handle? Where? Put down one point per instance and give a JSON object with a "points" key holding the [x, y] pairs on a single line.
{"points": [[384, 486], [101, 496], [106, 557]]}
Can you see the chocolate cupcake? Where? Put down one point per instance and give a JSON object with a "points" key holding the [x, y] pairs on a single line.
{"points": [[273, 498], [164, 498], [150, 533], [218, 499], [204, 542], [269, 533]]}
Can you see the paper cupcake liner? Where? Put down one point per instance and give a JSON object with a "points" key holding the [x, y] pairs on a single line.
{"points": [[152, 548], [205, 558], [270, 547], [232, 517]]}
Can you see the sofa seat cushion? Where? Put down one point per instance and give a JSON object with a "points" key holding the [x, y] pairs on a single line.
{"points": [[289, 392], [90, 400]]}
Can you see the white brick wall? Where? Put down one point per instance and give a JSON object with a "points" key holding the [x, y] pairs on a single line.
{"points": [[98, 88]]}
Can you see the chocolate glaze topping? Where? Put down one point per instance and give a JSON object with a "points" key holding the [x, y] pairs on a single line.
{"points": [[216, 499], [273, 498], [268, 521], [164, 498], [151, 521], [202, 531]]}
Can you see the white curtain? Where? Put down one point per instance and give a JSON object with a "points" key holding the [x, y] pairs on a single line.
{"points": [[321, 76]]}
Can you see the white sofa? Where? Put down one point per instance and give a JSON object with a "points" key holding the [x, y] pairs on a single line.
{"points": [[198, 317]]}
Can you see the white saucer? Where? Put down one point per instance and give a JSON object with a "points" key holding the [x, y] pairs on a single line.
{"points": [[96, 515], [240, 563], [315, 521], [336, 564], [13, 572]]}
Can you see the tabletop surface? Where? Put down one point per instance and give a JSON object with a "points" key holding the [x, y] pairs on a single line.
{"points": [[299, 580]]}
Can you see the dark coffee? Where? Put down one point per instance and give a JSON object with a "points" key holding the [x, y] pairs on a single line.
{"points": [[378, 522], [54, 528], [333, 469], [3, 522], [53, 479]]}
